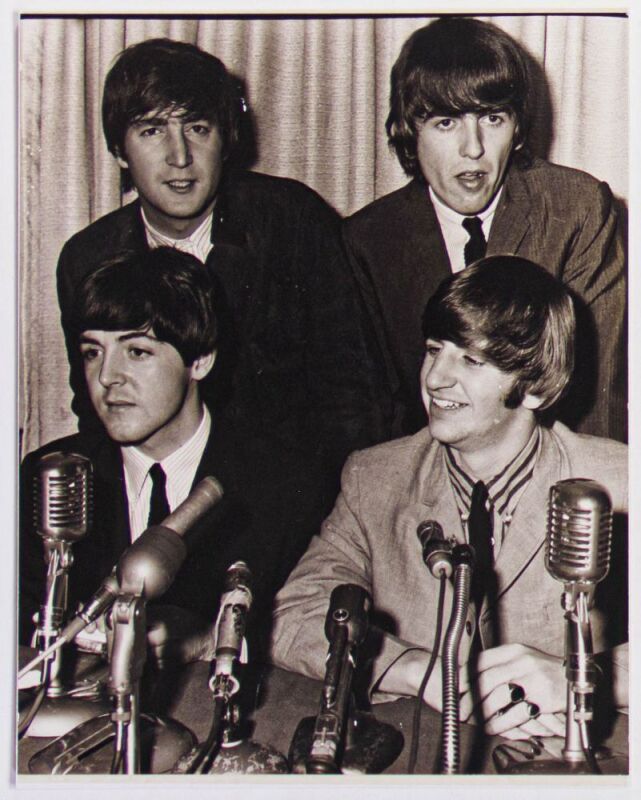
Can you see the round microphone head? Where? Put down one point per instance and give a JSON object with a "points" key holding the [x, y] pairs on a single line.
{"points": [[429, 529], [63, 494], [579, 531]]}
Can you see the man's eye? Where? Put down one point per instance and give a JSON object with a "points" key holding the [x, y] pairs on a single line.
{"points": [[473, 362], [138, 353], [151, 130], [432, 350], [495, 119], [444, 124], [90, 354], [200, 129]]}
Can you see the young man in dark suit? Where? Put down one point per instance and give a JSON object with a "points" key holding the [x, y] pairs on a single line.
{"points": [[294, 366], [460, 110], [145, 328]]}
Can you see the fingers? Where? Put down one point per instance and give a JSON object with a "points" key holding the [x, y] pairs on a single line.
{"points": [[513, 715], [545, 725]]}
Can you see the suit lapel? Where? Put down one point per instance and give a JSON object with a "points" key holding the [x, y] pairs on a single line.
{"points": [[434, 490], [111, 512], [512, 219], [526, 535], [422, 237]]}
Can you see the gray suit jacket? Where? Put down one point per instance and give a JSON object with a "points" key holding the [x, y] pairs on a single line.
{"points": [[370, 539], [562, 219]]}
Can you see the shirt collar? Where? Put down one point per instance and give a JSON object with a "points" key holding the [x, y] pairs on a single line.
{"points": [[505, 488], [197, 244], [445, 212], [136, 464]]}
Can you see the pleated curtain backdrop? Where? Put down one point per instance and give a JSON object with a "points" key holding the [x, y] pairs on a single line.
{"points": [[318, 93]]}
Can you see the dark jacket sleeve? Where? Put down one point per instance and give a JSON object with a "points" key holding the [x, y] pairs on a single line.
{"points": [[345, 366], [32, 570], [596, 270]]}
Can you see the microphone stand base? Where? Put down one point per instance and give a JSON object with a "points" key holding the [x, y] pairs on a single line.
{"points": [[59, 715], [89, 747], [244, 757], [524, 757], [371, 746]]}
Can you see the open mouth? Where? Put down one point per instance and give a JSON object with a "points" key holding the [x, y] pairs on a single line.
{"points": [[470, 179], [447, 405], [180, 186]]}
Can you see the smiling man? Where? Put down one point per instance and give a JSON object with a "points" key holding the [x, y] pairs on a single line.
{"points": [[294, 368], [146, 331], [499, 350], [461, 103]]}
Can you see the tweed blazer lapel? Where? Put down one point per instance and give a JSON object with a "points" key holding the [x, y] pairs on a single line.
{"points": [[512, 219], [526, 537], [435, 493]]}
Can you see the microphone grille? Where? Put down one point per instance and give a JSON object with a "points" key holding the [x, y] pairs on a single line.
{"points": [[579, 531], [63, 495]]}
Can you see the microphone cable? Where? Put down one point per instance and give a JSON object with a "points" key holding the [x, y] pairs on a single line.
{"points": [[30, 713], [416, 720], [210, 747]]}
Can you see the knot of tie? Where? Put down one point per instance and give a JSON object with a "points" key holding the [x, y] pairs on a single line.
{"points": [[476, 245], [158, 504]]}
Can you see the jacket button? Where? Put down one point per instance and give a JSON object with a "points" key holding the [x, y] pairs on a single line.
{"points": [[468, 627]]}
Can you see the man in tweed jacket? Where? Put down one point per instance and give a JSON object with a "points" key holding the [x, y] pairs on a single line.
{"points": [[461, 103], [499, 352]]}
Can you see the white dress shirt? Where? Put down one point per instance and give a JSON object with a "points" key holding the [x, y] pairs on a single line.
{"points": [[198, 243], [455, 235], [179, 467]]}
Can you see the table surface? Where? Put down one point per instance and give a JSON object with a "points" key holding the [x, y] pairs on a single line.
{"points": [[278, 700]]}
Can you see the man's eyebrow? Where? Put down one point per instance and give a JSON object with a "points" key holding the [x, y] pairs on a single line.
{"points": [[150, 119], [84, 339], [137, 335]]}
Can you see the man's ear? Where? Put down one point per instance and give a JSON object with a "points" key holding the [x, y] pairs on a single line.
{"points": [[202, 366], [122, 163], [532, 401]]}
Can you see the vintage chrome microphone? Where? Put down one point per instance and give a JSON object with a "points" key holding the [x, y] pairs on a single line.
{"points": [[63, 489], [578, 546], [62, 506], [578, 554], [144, 572]]}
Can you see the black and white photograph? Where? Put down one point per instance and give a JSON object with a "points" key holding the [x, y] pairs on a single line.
{"points": [[322, 400]]}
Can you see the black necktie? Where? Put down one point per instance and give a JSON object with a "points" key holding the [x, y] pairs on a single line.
{"points": [[158, 505], [480, 524], [476, 245]]}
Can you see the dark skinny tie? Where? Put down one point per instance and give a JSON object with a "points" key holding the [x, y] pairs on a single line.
{"points": [[476, 245], [158, 505], [480, 526]]}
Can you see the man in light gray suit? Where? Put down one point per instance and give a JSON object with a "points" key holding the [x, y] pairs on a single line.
{"points": [[499, 354], [461, 103]]}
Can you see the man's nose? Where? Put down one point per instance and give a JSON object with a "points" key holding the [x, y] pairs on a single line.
{"points": [[178, 150], [440, 373], [111, 370], [471, 145]]}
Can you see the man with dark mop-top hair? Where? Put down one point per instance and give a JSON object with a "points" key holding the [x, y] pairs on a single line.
{"points": [[294, 369], [145, 328], [461, 104], [499, 345]]}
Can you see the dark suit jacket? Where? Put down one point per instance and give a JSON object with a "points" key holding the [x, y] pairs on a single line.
{"points": [[255, 522], [295, 360], [561, 218]]}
